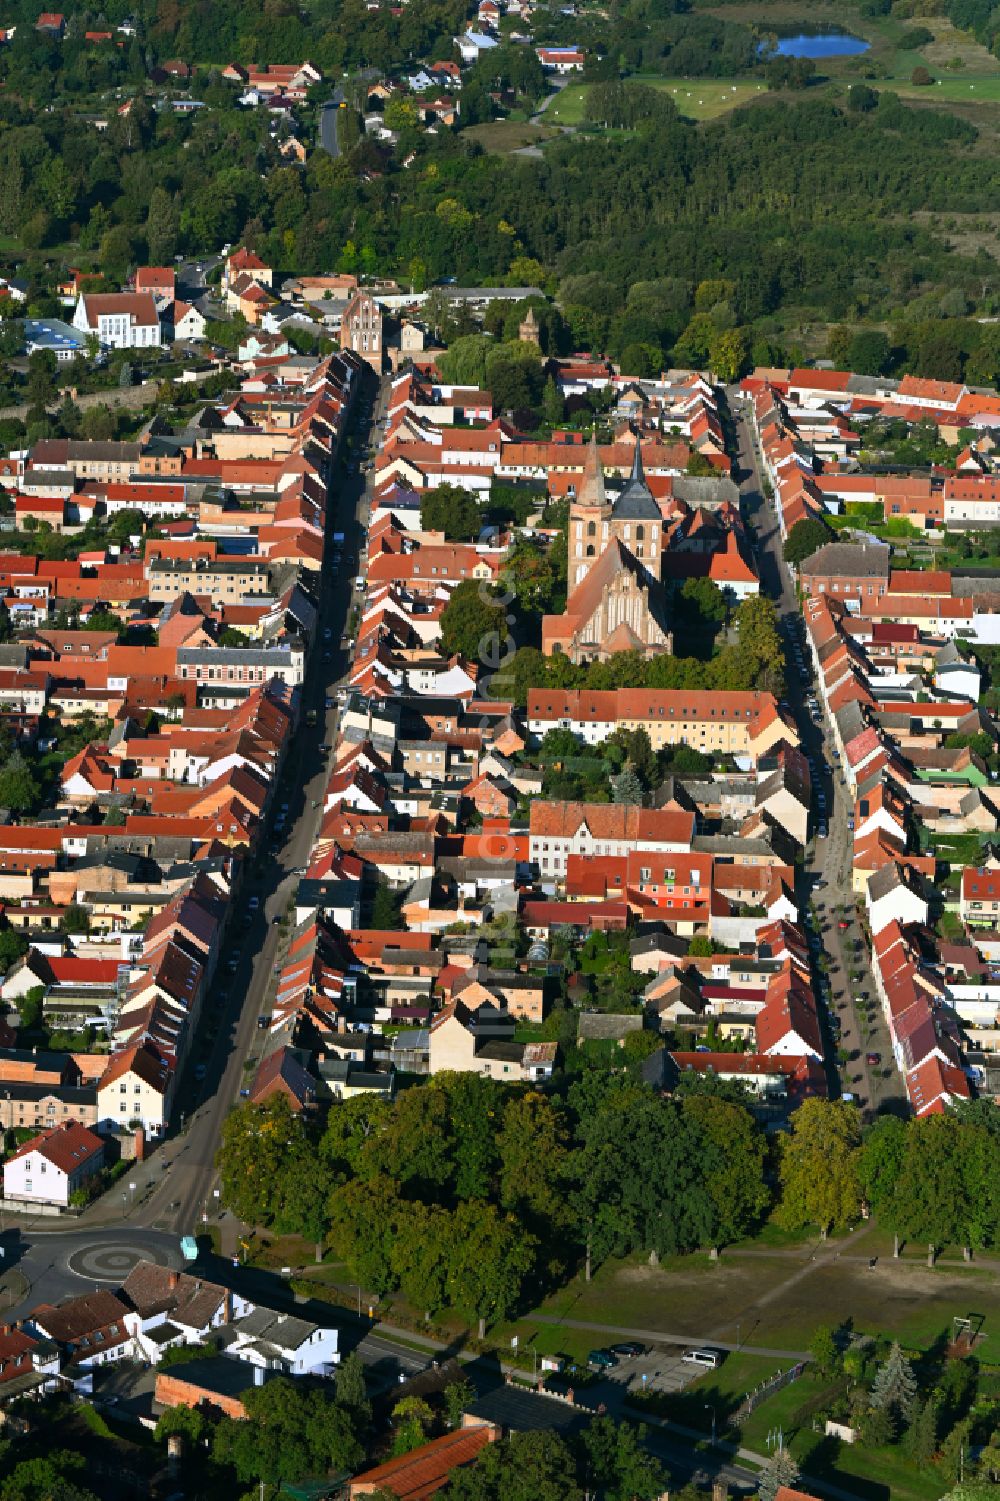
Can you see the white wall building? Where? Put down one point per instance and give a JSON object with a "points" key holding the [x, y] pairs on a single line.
{"points": [[119, 320]]}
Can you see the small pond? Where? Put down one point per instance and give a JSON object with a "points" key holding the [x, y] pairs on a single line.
{"points": [[823, 44]]}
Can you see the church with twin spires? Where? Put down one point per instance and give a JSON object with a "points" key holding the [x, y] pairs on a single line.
{"points": [[616, 597]]}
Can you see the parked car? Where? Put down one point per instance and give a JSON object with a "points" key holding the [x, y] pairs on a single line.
{"points": [[628, 1348], [874, 1059], [602, 1360], [708, 1359]]}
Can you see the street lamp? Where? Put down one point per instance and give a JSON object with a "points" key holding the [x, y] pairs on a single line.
{"points": [[711, 1409]]}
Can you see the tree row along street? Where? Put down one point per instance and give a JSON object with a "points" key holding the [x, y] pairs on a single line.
{"points": [[829, 861]]}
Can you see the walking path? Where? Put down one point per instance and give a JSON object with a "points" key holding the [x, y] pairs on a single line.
{"points": [[660, 1336]]}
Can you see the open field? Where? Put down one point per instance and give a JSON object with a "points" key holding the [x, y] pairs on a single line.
{"points": [[965, 74], [777, 1300], [500, 137], [696, 98], [964, 71]]}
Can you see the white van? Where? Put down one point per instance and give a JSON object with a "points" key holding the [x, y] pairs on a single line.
{"points": [[710, 1359]]}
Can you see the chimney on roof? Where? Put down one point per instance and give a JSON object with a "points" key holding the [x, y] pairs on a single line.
{"points": [[172, 1280]]}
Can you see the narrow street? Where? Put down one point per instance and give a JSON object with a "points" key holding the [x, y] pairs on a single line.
{"points": [[176, 1188], [825, 880], [328, 116]]}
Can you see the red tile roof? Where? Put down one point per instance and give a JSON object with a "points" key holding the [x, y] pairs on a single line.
{"points": [[427, 1469], [66, 1146]]}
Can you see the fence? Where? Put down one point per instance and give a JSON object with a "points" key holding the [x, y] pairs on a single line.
{"points": [[760, 1394]]}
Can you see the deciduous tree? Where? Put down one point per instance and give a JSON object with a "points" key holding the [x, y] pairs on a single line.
{"points": [[492, 1257], [819, 1166], [474, 624]]}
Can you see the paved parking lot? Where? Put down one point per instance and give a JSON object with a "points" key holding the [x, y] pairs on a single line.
{"points": [[661, 1369]]}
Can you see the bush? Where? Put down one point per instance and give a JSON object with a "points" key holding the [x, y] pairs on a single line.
{"points": [[921, 76], [915, 38]]}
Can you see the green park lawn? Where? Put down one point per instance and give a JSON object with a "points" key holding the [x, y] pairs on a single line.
{"points": [[778, 1308], [694, 1298]]}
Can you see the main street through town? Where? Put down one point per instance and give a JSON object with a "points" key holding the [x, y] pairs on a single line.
{"points": [[826, 877], [175, 1190]]}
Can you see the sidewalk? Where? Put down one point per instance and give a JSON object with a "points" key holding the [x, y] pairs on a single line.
{"points": [[660, 1336]]}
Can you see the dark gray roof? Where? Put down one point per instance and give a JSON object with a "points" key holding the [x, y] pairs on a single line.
{"points": [[328, 892], [502, 1052], [83, 1097], [222, 656], [849, 560], [885, 880], [516, 1410], [636, 503], [948, 655], [222, 1375]]}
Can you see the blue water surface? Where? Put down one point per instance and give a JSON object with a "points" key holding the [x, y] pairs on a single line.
{"points": [[826, 44]]}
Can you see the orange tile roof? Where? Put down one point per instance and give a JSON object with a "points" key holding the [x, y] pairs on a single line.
{"points": [[427, 1469], [611, 821]]}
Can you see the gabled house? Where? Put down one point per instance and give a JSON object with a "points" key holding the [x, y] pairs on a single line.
{"points": [[50, 1167], [281, 1342], [895, 894], [119, 320], [137, 1086], [158, 281], [482, 1042], [174, 1308], [91, 1330]]}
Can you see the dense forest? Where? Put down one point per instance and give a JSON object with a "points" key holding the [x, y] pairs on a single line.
{"points": [[771, 207]]}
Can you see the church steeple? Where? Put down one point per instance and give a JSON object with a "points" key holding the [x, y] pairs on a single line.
{"points": [[592, 492], [636, 503], [589, 517], [637, 474]]}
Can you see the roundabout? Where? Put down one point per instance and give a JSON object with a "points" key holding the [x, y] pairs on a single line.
{"points": [[49, 1266], [111, 1261]]}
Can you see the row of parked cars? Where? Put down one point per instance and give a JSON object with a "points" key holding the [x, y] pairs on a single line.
{"points": [[606, 1359]]}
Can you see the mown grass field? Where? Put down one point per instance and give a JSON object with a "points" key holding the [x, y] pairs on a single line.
{"points": [[697, 99], [501, 137]]}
